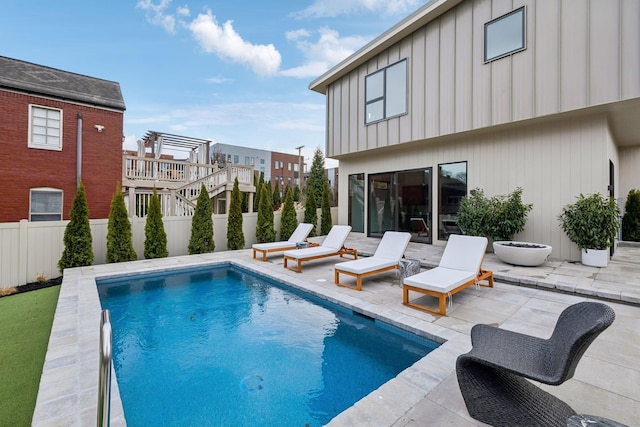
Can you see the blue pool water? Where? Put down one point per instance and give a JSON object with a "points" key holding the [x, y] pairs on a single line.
{"points": [[222, 346]]}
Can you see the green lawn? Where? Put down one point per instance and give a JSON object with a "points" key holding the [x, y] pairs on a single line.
{"points": [[25, 325]]}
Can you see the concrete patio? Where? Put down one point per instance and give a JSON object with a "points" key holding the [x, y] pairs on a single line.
{"points": [[524, 299]]}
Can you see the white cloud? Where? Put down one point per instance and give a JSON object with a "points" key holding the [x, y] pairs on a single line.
{"points": [[219, 80], [331, 8], [156, 14], [322, 54], [183, 11], [225, 42]]}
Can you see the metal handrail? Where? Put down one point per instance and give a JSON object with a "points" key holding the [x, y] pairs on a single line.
{"points": [[104, 374]]}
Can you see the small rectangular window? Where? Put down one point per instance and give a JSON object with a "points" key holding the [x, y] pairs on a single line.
{"points": [[45, 128], [236, 159], [386, 93], [505, 35], [45, 204]]}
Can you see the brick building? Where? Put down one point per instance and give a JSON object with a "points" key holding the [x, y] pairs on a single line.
{"points": [[55, 127]]}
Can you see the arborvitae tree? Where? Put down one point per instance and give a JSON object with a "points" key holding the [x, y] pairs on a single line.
{"points": [[265, 231], [78, 243], [288, 220], [267, 186], [311, 211], [245, 202], [631, 218], [201, 240], [325, 220], [235, 235], [256, 197], [296, 194], [316, 175], [155, 238], [119, 236], [277, 201]]}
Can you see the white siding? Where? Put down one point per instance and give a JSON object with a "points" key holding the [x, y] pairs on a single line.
{"points": [[578, 54], [552, 160]]}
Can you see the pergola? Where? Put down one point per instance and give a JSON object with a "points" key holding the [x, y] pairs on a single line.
{"points": [[197, 148]]}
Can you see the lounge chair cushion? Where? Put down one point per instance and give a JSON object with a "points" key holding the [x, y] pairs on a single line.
{"points": [[310, 252], [392, 245], [336, 237], [440, 279], [464, 253], [365, 265], [273, 245], [301, 233]]}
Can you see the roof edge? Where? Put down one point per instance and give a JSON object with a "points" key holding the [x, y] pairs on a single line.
{"points": [[408, 25]]}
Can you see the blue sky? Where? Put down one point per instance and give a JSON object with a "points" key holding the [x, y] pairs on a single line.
{"points": [[236, 72]]}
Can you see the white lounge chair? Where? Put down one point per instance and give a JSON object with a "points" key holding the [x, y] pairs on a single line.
{"points": [[332, 245], [387, 256], [459, 268], [299, 235]]}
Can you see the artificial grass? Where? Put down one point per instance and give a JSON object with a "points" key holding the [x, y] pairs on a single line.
{"points": [[25, 326]]}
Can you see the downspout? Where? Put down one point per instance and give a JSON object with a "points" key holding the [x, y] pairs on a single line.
{"points": [[79, 152]]}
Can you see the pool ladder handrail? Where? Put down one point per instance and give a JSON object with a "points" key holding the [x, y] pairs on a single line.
{"points": [[104, 372]]}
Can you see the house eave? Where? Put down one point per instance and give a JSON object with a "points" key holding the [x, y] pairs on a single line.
{"points": [[419, 18]]}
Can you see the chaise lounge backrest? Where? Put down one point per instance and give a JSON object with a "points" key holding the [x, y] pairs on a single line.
{"points": [[300, 233], [464, 253], [336, 237], [392, 245], [577, 327]]}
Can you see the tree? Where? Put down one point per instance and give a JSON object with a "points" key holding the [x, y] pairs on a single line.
{"points": [[325, 220], [631, 218], [311, 211], [316, 175], [296, 194], [235, 236], [245, 202], [78, 243], [288, 220], [119, 236], [277, 201], [264, 229], [155, 237], [201, 240], [256, 198]]}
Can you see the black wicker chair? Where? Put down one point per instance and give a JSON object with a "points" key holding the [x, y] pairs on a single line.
{"points": [[492, 375]]}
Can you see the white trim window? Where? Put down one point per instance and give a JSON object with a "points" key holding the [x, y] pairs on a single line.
{"points": [[45, 204], [386, 93], [45, 128], [505, 35]]}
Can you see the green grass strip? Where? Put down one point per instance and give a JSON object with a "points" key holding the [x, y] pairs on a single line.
{"points": [[25, 326]]}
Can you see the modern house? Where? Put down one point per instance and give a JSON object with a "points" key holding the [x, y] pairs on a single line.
{"points": [[490, 94], [57, 128]]}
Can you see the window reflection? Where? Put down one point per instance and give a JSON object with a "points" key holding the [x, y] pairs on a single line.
{"points": [[452, 187]]}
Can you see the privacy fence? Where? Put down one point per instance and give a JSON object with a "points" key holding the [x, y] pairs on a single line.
{"points": [[29, 249]]}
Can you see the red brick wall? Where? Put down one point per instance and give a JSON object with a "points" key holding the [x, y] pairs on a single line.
{"points": [[23, 168], [283, 172]]}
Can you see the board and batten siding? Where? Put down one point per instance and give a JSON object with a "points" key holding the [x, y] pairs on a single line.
{"points": [[579, 54], [552, 160]]}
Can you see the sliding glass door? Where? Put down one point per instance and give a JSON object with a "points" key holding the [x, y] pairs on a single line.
{"points": [[401, 201]]}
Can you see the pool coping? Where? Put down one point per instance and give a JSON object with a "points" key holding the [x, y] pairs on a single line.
{"points": [[68, 390]]}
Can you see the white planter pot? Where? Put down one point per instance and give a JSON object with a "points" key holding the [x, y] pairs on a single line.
{"points": [[595, 257], [527, 254]]}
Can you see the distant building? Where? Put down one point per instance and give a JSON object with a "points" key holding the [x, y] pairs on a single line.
{"points": [[57, 127], [281, 169]]}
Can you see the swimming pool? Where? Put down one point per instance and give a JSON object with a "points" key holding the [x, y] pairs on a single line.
{"points": [[225, 347]]}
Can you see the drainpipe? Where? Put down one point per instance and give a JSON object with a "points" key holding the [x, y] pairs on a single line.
{"points": [[79, 152]]}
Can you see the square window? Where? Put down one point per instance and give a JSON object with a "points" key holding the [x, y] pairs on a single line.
{"points": [[386, 93], [45, 204], [45, 128], [505, 35]]}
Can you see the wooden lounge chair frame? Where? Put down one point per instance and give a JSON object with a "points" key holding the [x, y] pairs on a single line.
{"points": [[342, 252], [462, 256], [442, 296], [359, 276], [264, 252], [267, 251], [391, 248]]}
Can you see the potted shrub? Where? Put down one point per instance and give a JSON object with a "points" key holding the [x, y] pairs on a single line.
{"points": [[592, 224], [499, 218]]}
